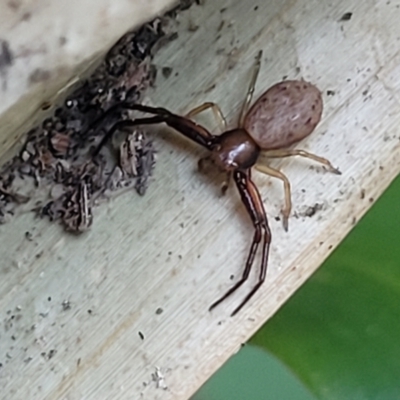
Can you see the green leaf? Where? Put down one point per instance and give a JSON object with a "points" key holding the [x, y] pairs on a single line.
{"points": [[340, 333], [253, 374]]}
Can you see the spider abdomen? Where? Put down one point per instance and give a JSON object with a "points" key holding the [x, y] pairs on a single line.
{"points": [[286, 113]]}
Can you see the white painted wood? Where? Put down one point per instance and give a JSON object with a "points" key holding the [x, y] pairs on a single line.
{"points": [[151, 266]]}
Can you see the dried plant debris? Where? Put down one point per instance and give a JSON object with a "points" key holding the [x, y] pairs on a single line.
{"points": [[57, 157]]}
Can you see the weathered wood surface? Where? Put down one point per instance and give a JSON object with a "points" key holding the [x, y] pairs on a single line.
{"points": [[140, 282]]}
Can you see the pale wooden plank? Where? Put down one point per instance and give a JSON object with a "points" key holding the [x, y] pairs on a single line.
{"points": [[176, 248]]}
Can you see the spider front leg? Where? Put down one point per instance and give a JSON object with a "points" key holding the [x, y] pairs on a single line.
{"points": [[219, 116], [252, 200], [185, 126], [121, 125]]}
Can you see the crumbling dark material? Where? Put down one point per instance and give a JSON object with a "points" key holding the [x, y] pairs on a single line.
{"points": [[58, 153]]}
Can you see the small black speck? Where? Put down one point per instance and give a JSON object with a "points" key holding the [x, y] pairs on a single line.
{"points": [[6, 57], [45, 105], [330, 92], [141, 335], [51, 354], [166, 71], [1, 364], [159, 311], [210, 88], [232, 277], [311, 211], [255, 8], [66, 305], [28, 236], [49, 298], [277, 218], [346, 16], [89, 311]]}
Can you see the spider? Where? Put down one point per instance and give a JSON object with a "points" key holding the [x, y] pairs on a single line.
{"points": [[283, 115]]}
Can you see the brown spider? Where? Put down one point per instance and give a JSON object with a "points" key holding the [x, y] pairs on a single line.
{"points": [[284, 114]]}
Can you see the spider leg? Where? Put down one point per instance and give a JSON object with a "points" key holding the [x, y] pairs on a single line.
{"points": [[226, 182], [252, 200], [280, 153], [250, 90], [121, 125], [219, 116], [286, 184], [185, 126]]}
